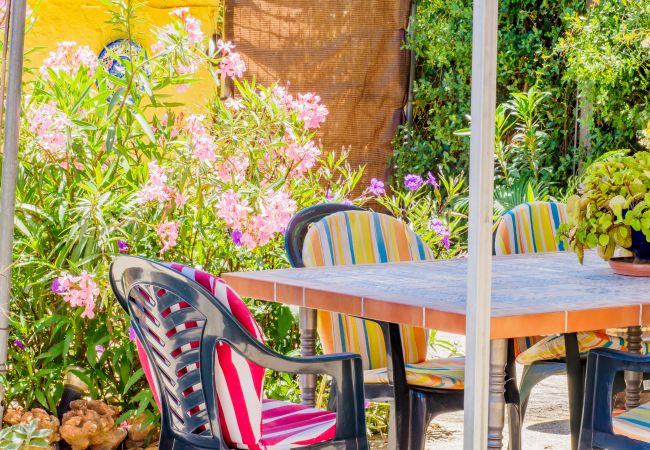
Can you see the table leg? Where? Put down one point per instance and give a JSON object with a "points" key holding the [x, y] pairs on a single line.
{"points": [[633, 380], [307, 324], [498, 359]]}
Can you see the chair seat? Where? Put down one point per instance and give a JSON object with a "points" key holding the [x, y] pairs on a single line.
{"points": [[634, 423], [553, 347], [448, 373], [287, 425]]}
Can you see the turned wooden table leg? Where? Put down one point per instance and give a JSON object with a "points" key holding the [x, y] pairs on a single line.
{"points": [[633, 380], [307, 325], [498, 360]]}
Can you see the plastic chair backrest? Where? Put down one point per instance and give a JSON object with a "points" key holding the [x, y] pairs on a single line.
{"points": [[171, 314]]}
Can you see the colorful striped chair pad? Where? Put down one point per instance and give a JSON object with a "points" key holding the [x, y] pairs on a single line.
{"points": [[553, 347], [634, 423], [362, 237], [287, 425], [530, 228], [437, 373]]}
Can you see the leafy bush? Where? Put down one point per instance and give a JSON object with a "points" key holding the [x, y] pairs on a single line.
{"points": [[108, 166], [553, 48], [24, 437]]}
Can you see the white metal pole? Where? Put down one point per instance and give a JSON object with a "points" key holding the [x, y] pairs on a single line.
{"points": [[9, 167], [481, 175]]}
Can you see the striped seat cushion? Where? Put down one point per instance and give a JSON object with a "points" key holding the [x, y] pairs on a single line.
{"points": [[437, 373], [362, 237], [238, 381], [286, 425], [634, 423], [553, 347]]}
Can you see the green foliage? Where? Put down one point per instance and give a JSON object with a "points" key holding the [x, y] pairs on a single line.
{"points": [[546, 51], [614, 200], [442, 204], [24, 437], [607, 50]]}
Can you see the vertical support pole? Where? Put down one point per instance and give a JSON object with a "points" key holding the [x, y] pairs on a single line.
{"points": [[481, 186], [497, 403], [9, 168], [633, 380], [307, 324]]}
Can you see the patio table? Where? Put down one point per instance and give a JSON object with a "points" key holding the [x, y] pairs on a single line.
{"points": [[533, 294]]}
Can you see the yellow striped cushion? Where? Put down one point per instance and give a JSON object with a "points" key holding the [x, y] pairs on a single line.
{"points": [[553, 347], [634, 423], [530, 228], [438, 373], [362, 237]]}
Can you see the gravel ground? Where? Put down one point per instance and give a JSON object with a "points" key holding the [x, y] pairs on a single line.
{"points": [[546, 426]]}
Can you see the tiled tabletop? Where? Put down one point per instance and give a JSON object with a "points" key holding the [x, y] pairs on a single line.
{"points": [[531, 294]]}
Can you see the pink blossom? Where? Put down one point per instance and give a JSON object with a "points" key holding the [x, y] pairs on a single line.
{"points": [[377, 187], [233, 168], [168, 234], [69, 58], [78, 291], [309, 110], [49, 125], [233, 210], [275, 212], [304, 155], [201, 143], [157, 190], [233, 104], [191, 25], [224, 47], [232, 65]]}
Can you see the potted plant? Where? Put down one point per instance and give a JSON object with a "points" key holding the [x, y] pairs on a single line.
{"points": [[613, 210]]}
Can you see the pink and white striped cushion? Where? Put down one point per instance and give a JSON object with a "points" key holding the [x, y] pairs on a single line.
{"points": [[286, 425], [238, 381]]}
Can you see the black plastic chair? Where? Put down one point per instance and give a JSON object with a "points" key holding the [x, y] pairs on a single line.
{"points": [[146, 289], [604, 366], [412, 407]]}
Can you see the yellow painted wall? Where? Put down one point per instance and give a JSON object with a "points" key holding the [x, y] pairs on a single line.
{"points": [[83, 21]]}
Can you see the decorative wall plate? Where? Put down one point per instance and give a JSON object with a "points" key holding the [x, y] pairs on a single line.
{"points": [[111, 56]]}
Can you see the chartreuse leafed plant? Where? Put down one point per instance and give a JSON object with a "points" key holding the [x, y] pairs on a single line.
{"points": [[108, 167], [613, 204], [24, 437]]}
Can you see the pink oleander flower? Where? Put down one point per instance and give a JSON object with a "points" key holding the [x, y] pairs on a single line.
{"points": [[232, 65], [79, 292], [304, 156], [376, 187], [441, 230], [49, 125], [200, 141], [233, 168], [168, 234], [309, 110], [233, 210], [233, 104], [275, 211], [191, 25], [4, 14], [69, 58], [224, 47], [157, 190], [413, 182]]}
